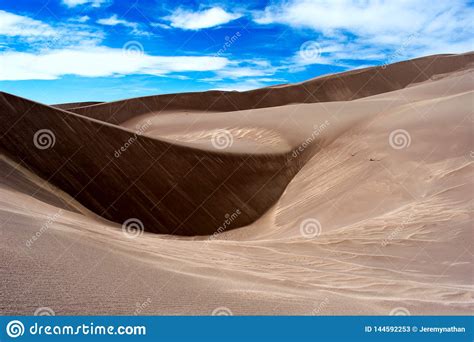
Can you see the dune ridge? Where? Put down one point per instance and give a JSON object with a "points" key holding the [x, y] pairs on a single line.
{"points": [[343, 86], [75, 104], [174, 189]]}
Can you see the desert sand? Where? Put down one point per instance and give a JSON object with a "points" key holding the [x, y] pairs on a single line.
{"points": [[346, 194]]}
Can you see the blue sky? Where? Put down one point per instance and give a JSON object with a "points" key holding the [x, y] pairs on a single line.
{"points": [[57, 51]]}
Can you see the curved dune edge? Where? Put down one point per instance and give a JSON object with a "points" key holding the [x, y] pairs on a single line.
{"points": [[71, 105], [171, 189], [343, 86]]}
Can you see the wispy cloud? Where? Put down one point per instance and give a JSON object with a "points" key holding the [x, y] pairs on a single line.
{"points": [[246, 68], [370, 30], [81, 19], [196, 20], [74, 48], [17, 25], [113, 20], [286, 40], [93, 3], [98, 62], [160, 25], [244, 75], [38, 34]]}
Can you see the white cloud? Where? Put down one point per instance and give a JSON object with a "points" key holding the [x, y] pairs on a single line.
{"points": [[362, 17], [114, 21], [335, 52], [81, 19], [40, 35], [189, 20], [98, 62], [160, 25], [243, 72], [375, 29], [18, 25], [93, 3]]}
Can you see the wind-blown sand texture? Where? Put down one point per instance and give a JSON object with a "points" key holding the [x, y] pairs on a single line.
{"points": [[345, 194]]}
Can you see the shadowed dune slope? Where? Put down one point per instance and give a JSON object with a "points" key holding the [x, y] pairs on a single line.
{"points": [[337, 87], [172, 189]]}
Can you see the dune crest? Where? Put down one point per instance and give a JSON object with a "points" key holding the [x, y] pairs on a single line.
{"points": [[121, 175], [344, 86]]}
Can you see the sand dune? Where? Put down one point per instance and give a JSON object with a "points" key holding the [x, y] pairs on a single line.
{"points": [[181, 183], [338, 87], [120, 174], [365, 205], [75, 104]]}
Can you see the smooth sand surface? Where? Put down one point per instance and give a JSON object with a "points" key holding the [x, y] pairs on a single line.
{"points": [[376, 218]]}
